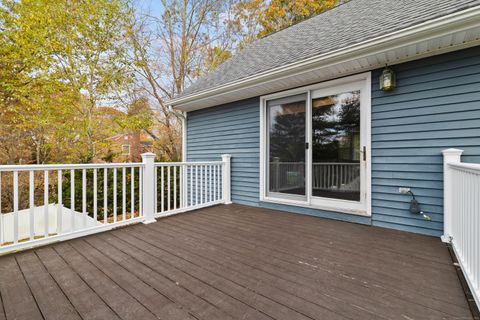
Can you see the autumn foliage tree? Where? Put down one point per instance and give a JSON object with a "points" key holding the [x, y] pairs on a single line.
{"points": [[61, 63], [74, 74], [258, 18]]}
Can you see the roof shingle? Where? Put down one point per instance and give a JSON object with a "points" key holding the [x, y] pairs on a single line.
{"points": [[343, 26]]}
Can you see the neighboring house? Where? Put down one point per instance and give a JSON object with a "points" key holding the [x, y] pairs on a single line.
{"points": [[129, 147], [309, 129]]}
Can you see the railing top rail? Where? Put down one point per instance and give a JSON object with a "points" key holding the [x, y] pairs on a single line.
{"points": [[36, 167], [191, 163], [338, 163], [470, 167]]}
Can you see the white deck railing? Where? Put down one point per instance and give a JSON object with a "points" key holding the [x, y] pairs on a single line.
{"points": [[41, 204], [338, 176], [462, 215]]}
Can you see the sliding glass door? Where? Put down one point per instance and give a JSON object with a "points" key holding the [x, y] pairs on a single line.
{"points": [[286, 146], [315, 147], [336, 150]]}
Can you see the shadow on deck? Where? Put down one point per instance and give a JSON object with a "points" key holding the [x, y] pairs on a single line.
{"points": [[235, 262]]}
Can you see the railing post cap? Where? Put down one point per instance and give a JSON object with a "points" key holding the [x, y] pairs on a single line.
{"points": [[452, 151], [226, 156], [147, 155]]}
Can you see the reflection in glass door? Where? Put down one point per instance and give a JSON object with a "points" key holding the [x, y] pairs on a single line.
{"points": [[286, 145], [336, 171]]}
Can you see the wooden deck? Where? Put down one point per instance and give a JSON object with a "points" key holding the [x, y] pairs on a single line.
{"points": [[235, 262]]}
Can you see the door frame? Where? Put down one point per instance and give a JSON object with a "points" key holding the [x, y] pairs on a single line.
{"points": [[359, 81]]}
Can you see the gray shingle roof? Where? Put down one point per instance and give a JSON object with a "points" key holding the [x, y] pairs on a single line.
{"points": [[348, 24]]}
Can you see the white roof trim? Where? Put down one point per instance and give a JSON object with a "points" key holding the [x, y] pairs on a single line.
{"points": [[434, 30]]}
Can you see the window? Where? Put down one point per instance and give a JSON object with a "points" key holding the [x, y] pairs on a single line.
{"points": [[314, 146], [125, 149]]}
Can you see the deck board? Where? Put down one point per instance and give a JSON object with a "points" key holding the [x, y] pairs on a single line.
{"points": [[88, 304], [235, 262], [119, 300], [18, 300], [153, 300], [230, 287], [347, 253], [2, 310], [50, 298], [344, 286], [147, 271]]}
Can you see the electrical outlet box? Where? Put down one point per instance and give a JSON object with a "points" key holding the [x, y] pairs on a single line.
{"points": [[404, 190]]}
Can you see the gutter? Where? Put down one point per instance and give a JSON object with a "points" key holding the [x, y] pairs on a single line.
{"points": [[437, 27]]}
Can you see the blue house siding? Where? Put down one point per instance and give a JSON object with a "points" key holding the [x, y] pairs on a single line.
{"points": [[232, 129], [435, 106]]}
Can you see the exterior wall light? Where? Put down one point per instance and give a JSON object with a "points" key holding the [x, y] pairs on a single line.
{"points": [[388, 80]]}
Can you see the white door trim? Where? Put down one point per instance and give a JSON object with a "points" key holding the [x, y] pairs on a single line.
{"points": [[359, 81]]}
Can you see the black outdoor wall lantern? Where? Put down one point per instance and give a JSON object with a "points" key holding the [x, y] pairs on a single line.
{"points": [[388, 80]]}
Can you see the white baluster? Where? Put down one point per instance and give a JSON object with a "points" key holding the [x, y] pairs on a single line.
{"points": [[140, 192], [124, 195], [183, 186], [72, 200], [191, 186], [174, 187], [210, 194], [95, 214], [45, 203], [168, 188], [162, 187], [114, 195], [59, 203], [202, 187], [32, 204], [215, 168], [84, 198], [105, 195], [132, 193], [196, 184], [155, 188], [15, 207]]}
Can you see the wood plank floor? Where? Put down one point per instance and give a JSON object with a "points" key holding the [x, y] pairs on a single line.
{"points": [[235, 262]]}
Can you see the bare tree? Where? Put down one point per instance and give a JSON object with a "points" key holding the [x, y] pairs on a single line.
{"points": [[170, 51]]}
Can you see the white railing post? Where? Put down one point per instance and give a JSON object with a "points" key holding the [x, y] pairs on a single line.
{"points": [[449, 156], [148, 187], [226, 186]]}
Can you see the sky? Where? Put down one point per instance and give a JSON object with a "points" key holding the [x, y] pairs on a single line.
{"points": [[153, 7]]}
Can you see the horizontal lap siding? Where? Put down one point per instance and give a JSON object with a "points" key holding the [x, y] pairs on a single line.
{"points": [[435, 106], [232, 129], [235, 129]]}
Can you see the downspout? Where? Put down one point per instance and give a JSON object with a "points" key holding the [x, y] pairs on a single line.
{"points": [[183, 116], [184, 173]]}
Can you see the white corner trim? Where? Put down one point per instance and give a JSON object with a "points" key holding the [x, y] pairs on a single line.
{"points": [[184, 136], [421, 32]]}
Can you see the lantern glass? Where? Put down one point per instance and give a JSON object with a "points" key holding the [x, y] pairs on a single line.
{"points": [[387, 80]]}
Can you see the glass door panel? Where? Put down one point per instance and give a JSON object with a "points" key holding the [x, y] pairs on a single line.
{"points": [[336, 171], [286, 146]]}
